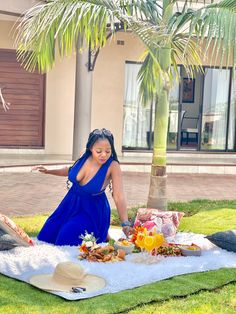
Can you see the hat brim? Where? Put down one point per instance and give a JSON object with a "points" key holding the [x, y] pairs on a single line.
{"points": [[46, 282]]}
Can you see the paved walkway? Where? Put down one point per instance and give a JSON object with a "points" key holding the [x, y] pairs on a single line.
{"points": [[34, 193]]}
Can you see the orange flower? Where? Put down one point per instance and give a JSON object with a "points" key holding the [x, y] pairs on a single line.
{"points": [[133, 238], [140, 229], [83, 248], [137, 229]]}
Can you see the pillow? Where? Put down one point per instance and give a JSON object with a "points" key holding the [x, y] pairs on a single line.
{"points": [[12, 235], [7, 242], [225, 240], [165, 222]]}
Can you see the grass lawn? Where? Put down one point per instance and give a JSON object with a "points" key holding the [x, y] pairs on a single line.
{"points": [[176, 295]]}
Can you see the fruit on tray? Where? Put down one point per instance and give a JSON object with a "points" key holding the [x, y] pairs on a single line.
{"points": [[125, 245], [169, 250], [124, 242], [107, 253], [190, 250], [192, 247]]}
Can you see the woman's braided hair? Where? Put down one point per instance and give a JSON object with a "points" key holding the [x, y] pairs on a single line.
{"points": [[94, 136]]}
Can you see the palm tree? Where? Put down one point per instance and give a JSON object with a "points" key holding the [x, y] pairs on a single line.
{"points": [[173, 33]]}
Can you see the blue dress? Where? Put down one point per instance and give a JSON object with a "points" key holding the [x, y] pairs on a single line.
{"points": [[84, 208]]}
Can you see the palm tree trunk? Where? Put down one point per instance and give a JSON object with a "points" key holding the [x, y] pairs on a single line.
{"points": [[157, 197], [157, 191]]}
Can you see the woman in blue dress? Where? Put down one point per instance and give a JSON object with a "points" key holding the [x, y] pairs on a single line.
{"points": [[85, 207]]}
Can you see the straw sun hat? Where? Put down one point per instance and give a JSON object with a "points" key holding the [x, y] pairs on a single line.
{"points": [[65, 276]]}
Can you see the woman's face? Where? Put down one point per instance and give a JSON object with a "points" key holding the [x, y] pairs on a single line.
{"points": [[101, 151]]}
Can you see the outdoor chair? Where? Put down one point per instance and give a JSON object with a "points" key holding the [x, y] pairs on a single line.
{"points": [[186, 132]]}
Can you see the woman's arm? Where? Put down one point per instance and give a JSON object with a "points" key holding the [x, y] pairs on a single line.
{"points": [[57, 172], [119, 197]]}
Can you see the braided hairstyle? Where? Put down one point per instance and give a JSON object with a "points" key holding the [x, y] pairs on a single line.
{"points": [[94, 136], [101, 134]]}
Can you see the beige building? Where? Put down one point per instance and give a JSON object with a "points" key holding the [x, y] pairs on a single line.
{"points": [[57, 109], [41, 114]]}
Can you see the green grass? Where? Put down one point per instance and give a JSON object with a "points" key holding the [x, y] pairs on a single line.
{"points": [[196, 206], [189, 208], [178, 290], [181, 294], [208, 222], [221, 300], [31, 224]]}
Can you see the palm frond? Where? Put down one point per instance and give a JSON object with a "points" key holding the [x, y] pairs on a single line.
{"points": [[215, 24], [148, 11], [224, 4], [186, 51], [61, 22], [150, 76]]}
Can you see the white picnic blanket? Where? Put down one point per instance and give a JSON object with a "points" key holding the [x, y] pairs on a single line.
{"points": [[23, 262]]}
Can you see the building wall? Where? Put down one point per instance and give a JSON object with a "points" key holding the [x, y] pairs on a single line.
{"points": [[108, 84], [107, 93], [59, 98], [16, 6], [109, 79], [6, 40], [59, 118]]}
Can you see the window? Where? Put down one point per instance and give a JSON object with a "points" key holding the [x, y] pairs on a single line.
{"points": [[232, 116], [215, 109], [136, 118], [212, 109]]}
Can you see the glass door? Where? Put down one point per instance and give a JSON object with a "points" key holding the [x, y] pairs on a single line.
{"points": [[137, 118], [172, 138], [190, 111], [232, 117], [215, 109]]}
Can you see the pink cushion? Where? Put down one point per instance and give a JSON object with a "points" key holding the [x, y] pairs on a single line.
{"points": [[165, 222], [19, 235]]}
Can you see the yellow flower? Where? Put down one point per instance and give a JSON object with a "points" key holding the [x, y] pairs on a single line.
{"points": [[140, 239], [150, 243]]}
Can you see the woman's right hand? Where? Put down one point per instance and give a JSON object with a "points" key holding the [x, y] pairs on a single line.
{"points": [[128, 230], [40, 169]]}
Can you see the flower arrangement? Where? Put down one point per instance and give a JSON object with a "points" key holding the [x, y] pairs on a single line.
{"points": [[94, 252], [154, 243], [148, 240], [137, 229], [88, 241]]}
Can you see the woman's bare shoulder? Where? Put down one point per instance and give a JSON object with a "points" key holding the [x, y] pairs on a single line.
{"points": [[115, 164], [115, 167]]}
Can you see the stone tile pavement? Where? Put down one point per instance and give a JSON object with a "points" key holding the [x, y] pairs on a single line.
{"points": [[34, 193]]}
